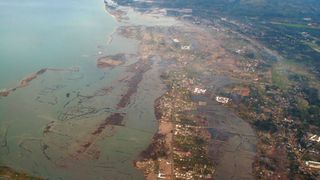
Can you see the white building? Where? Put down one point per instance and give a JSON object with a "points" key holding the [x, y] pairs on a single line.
{"points": [[176, 40], [222, 100], [111, 3], [313, 164], [186, 47], [315, 138], [288, 120], [161, 175], [199, 91]]}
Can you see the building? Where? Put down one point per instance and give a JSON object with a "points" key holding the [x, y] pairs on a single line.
{"points": [[202, 103], [186, 47], [313, 164], [199, 91], [161, 175], [222, 100], [111, 3], [287, 120], [315, 138], [176, 40]]}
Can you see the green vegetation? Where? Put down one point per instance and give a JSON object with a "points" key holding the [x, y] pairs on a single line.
{"points": [[279, 79], [197, 158], [267, 126], [293, 25], [187, 121]]}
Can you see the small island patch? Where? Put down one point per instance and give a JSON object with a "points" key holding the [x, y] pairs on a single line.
{"points": [[111, 61]]}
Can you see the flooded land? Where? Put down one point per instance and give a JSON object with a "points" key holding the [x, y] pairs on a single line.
{"points": [[131, 91]]}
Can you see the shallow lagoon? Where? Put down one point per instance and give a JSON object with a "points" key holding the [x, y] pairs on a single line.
{"points": [[65, 34]]}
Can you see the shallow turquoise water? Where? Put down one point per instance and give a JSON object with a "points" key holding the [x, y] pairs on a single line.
{"points": [[45, 33]]}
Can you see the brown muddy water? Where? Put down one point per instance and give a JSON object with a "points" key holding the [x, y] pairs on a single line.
{"points": [[233, 143]]}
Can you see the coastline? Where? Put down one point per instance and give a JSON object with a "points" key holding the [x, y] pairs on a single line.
{"points": [[179, 55], [158, 160], [167, 90]]}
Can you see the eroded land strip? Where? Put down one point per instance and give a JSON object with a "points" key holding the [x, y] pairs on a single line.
{"points": [[27, 80]]}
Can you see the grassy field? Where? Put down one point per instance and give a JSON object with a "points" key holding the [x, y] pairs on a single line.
{"points": [[279, 78]]}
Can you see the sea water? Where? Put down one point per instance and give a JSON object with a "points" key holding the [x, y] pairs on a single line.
{"points": [[66, 35]]}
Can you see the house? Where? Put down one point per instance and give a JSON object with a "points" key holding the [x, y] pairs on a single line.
{"points": [[238, 51], [315, 138], [313, 164], [161, 175], [185, 47], [288, 120], [176, 40], [111, 3], [307, 19], [199, 91], [222, 100]]}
